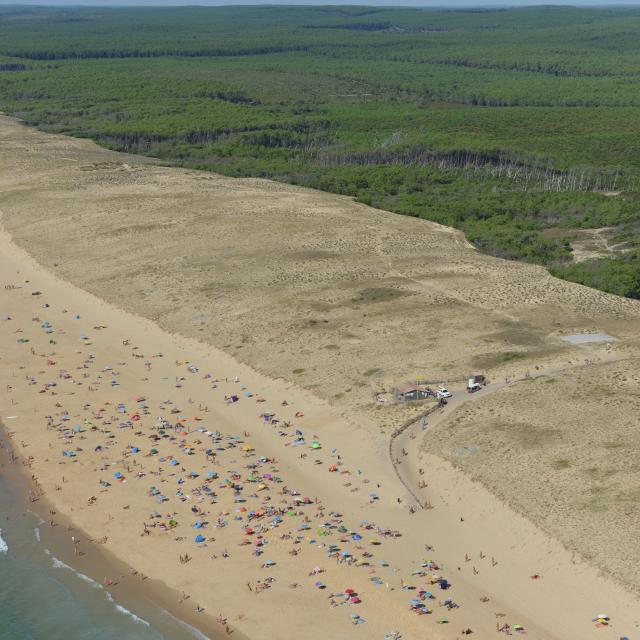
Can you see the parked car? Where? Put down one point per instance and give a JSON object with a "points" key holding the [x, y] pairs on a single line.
{"points": [[443, 392]]}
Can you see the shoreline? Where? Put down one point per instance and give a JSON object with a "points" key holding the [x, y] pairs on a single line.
{"points": [[97, 561]]}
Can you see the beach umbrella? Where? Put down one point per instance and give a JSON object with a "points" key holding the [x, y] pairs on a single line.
{"points": [[200, 538], [117, 474]]}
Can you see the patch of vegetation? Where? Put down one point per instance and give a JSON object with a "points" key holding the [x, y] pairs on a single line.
{"points": [[380, 294], [619, 275], [510, 125]]}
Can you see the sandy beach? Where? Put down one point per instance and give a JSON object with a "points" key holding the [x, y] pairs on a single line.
{"points": [[28, 536], [98, 374], [264, 509]]}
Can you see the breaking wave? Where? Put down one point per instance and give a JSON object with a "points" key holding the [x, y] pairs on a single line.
{"points": [[196, 632], [58, 564], [4, 547], [126, 612]]}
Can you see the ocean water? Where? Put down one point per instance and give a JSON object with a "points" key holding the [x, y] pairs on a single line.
{"points": [[42, 598]]}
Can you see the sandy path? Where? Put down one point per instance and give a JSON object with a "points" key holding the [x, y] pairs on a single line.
{"points": [[567, 579], [558, 606]]}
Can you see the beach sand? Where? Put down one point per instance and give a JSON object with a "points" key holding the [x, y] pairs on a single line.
{"points": [[146, 603], [114, 384], [562, 448]]}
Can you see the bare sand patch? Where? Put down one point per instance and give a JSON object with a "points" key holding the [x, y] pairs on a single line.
{"points": [[563, 450]]}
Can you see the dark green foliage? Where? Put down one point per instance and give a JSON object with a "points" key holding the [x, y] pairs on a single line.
{"points": [[619, 275], [508, 124]]}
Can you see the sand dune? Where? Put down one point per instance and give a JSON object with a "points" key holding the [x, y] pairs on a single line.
{"points": [[562, 449], [341, 298], [306, 288]]}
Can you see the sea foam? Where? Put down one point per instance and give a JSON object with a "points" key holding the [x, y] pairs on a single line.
{"points": [[91, 581], [58, 564], [196, 632], [126, 612], [33, 513], [4, 547]]}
